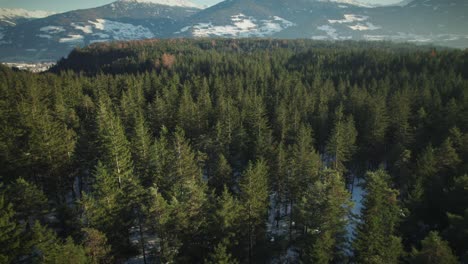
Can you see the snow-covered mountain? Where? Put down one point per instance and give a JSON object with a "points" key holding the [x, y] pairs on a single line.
{"points": [[438, 22], [351, 2], [6, 13], [54, 36], [180, 3], [12, 16]]}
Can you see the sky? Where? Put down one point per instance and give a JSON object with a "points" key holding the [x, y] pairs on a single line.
{"points": [[66, 5]]}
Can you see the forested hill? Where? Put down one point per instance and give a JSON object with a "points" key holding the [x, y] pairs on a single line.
{"points": [[147, 55], [237, 151]]}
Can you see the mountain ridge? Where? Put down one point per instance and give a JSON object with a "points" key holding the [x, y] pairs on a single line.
{"points": [[420, 21]]}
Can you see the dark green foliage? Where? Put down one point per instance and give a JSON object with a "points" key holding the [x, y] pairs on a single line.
{"points": [[324, 210], [433, 250], [9, 233], [377, 240], [221, 256], [193, 151], [254, 197]]}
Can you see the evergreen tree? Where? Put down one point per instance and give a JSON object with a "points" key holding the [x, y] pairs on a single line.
{"points": [[377, 240], [433, 250], [303, 168], [324, 210], [10, 233], [254, 195], [221, 256], [67, 252], [114, 146], [229, 218], [42, 243], [223, 175], [141, 149], [457, 234], [96, 247], [107, 209], [29, 201], [341, 144]]}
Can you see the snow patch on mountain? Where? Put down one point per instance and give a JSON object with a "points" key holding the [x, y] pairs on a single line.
{"points": [[72, 39], [87, 29], [52, 29], [351, 2], [416, 38], [363, 27], [179, 3], [349, 18], [121, 31], [44, 36], [331, 33], [8, 13], [242, 26]]}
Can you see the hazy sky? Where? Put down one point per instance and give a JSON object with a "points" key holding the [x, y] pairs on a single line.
{"points": [[65, 5]]}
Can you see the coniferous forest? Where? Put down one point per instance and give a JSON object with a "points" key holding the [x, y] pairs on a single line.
{"points": [[237, 151]]}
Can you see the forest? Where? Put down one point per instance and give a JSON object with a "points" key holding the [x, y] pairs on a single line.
{"points": [[237, 151]]}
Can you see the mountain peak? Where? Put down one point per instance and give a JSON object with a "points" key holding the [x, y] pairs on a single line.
{"points": [[18, 12], [179, 3]]}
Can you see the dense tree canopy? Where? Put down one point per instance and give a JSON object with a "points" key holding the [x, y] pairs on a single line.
{"points": [[236, 151]]}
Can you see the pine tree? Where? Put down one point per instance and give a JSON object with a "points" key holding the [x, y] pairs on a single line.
{"points": [[188, 188], [376, 240], [221, 256], [141, 149], [228, 217], [67, 252], [457, 233], [114, 146], [42, 243], [161, 162], [341, 144], [324, 210], [107, 209], [96, 247], [223, 175], [303, 168], [179, 212], [254, 195], [162, 218], [29, 201], [433, 250], [10, 233]]}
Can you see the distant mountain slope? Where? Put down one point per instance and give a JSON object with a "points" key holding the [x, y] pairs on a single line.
{"points": [[14, 16], [54, 36], [421, 21], [438, 22]]}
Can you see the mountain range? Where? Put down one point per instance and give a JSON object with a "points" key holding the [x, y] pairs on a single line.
{"points": [[42, 36]]}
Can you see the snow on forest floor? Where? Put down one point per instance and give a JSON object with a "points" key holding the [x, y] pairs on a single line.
{"points": [[278, 231], [278, 211], [357, 197], [150, 240]]}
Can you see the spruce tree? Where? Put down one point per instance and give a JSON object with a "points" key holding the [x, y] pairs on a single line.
{"points": [[433, 250], [10, 233], [254, 195], [376, 238], [221, 256], [303, 168], [324, 210], [96, 247], [341, 144]]}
